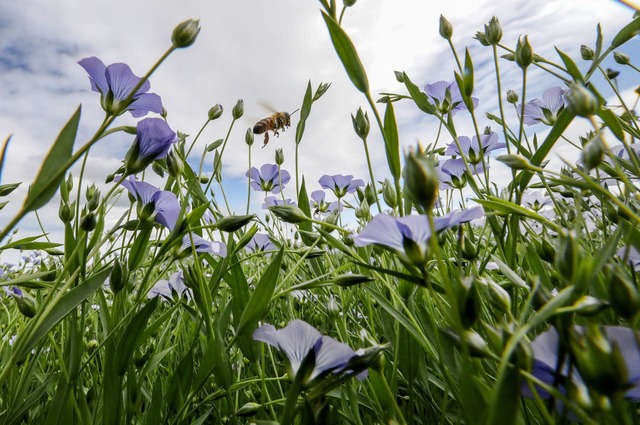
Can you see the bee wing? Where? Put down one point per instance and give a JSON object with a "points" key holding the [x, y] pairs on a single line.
{"points": [[268, 106]]}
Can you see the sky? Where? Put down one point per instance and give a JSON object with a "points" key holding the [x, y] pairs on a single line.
{"points": [[264, 52]]}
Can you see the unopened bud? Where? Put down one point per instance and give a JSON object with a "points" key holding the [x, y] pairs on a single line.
{"points": [[421, 180], [215, 112], [499, 297], [88, 222], [587, 53], [279, 157], [351, 279], [399, 76], [515, 162], [482, 38], [612, 74], [248, 137], [117, 278], [621, 58], [185, 34], [25, 302], [623, 294], [174, 164], [524, 52], [446, 29], [215, 145], [493, 31], [389, 194], [65, 212], [232, 223], [289, 213], [581, 101], [361, 124], [512, 97], [248, 409], [565, 260], [238, 109], [349, 3], [322, 89], [593, 153]]}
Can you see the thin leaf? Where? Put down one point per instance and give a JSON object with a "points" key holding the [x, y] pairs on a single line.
{"points": [[419, 97], [571, 66], [347, 54], [612, 121], [391, 141], [45, 185], [625, 34], [3, 153], [131, 338], [64, 306]]}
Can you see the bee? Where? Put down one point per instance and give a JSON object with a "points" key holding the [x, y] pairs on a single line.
{"points": [[279, 121]]}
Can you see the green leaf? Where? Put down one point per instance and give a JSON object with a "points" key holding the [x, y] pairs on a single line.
{"points": [[347, 54], [130, 339], [506, 399], [29, 243], [59, 311], [561, 124], [612, 121], [153, 414], [3, 153], [139, 248], [571, 66], [261, 297], [6, 189], [502, 205], [467, 76], [306, 103], [598, 42], [627, 33], [51, 172], [419, 97], [391, 141]]}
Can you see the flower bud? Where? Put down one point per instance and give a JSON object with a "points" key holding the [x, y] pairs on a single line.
{"points": [[389, 194], [581, 101], [322, 89], [279, 157], [174, 164], [25, 302], [499, 297], [117, 279], [65, 212], [249, 409], [566, 257], [399, 76], [515, 162], [215, 145], [623, 294], [593, 153], [621, 58], [469, 305], [93, 198], [215, 112], [232, 223], [512, 97], [185, 34], [348, 3], [204, 179], [238, 109], [361, 124], [446, 30], [88, 222], [421, 180], [587, 53], [612, 74], [493, 31], [289, 213], [482, 38], [351, 279], [524, 52], [248, 137]]}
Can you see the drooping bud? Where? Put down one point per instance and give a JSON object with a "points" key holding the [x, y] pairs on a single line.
{"points": [[25, 302], [289, 213], [421, 180], [587, 52], [238, 109], [512, 97], [215, 112], [621, 58], [524, 52], [493, 31], [581, 101], [446, 29], [612, 74], [185, 34]]}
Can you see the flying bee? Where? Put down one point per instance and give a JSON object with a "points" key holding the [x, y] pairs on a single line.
{"points": [[276, 122]]}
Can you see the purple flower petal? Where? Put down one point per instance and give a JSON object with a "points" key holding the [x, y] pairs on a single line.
{"points": [[97, 74]]}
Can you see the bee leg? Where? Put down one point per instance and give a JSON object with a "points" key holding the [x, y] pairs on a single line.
{"points": [[266, 139]]}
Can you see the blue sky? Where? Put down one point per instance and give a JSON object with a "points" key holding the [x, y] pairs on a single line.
{"points": [[263, 51]]}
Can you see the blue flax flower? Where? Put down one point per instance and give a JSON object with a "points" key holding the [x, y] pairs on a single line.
{"points": [[115, 83], [153, 139], [409, 236], [339, 184], [622, 343], [471, 148], [259, 243], [297, 339], [268, 178], [171, 290], [202, 245], [272, 201], [544, 111], [452, 174], [320, 206], [447, 97], [153, 203]]}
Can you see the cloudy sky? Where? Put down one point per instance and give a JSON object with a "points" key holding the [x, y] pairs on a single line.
{"points": [[263, 51]]}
